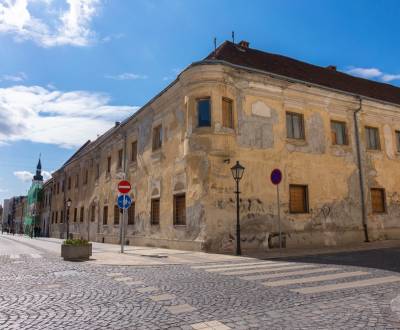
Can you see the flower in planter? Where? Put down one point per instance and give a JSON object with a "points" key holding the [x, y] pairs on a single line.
{"points": [[76, 242]]}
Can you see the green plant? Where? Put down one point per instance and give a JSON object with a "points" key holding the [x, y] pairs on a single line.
{"points": [[76, 242]]}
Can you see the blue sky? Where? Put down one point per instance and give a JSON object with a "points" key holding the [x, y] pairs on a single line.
{"points": [[70, 68]]}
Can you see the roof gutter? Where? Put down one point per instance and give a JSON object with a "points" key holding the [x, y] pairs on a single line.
{"points": [[360, 171]]}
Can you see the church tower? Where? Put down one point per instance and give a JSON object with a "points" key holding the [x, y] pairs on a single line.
{"points": [[38, 176]]}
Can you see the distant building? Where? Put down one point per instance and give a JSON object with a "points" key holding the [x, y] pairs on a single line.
{"points": [[335, 137], [45, 208], [34, 198]]}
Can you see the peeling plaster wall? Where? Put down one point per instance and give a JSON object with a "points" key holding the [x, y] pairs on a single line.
{"points": [[197, 160]]}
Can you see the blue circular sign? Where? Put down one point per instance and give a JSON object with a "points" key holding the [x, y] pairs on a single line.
{"points": [[276, 176], [124, 201]]}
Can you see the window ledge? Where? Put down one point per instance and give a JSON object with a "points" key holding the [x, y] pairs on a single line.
{"points": [[297, 142], [203, 130], [180, 226]]}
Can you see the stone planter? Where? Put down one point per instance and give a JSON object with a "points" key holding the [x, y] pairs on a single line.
{"points": [[76, 252]]}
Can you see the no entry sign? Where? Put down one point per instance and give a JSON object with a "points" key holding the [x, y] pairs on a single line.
{"points": [[276, 176], [124, 187]]}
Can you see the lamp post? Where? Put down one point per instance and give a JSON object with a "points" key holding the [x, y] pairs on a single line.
{"points": [[68, 203], [237, 173]]}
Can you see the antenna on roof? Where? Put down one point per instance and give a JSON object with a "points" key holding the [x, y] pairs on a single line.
{"points": [[233, 36], [215, 46]]}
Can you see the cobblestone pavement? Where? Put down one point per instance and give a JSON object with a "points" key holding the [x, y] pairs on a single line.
{"points": [[340, 291]]}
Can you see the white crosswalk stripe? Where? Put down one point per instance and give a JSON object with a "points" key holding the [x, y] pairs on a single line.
{"points": [[275, 264], [231, 265], [265, 270], [35, 256], [348, 285], [315, 278], [292, 273]]}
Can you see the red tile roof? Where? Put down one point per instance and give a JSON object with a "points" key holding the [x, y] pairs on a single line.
{"points": [[291, 68]]}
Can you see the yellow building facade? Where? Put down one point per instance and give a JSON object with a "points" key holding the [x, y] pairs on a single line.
{"points": [[178, 149]]}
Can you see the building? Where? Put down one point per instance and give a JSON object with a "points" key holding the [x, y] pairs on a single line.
{"points": [[6, 216], [34, 199], [19, 211], [335, 137], [45, 208]]}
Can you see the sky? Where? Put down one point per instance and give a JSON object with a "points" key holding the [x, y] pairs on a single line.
{"points": [[70, 68]]}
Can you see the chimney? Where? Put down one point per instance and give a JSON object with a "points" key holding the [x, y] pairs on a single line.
{"points": [[244, 44], [117, 123], [331, 67]]}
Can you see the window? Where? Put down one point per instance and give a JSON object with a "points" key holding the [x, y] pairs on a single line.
{"points": [[93, 213], [298, 199], [294, 125], [62, 217], [155, 211], [179, 210], [58, 187], [105, 215], [204, 112], [77, 181], [157, 137], [56, 216], [227, 113], [75, 214], [52, 217], [398, 140], [108, 164], [338, 133], [97, 171], [69, 183], [62, 185], [131, 214], [81, 218], [86, 176], [378, 200], [372, 136], [120, 153], [134, 151], [116, 215]]}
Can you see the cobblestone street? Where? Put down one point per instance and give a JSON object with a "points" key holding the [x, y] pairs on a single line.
{"points": [[335, 291]]}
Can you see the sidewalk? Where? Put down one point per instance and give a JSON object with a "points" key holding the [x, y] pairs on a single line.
{"points": [[109, 254]]}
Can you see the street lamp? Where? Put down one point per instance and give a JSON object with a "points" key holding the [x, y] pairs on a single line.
{"points": [[237, 173], [68, 203]]}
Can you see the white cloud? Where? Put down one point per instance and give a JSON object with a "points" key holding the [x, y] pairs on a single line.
{"points": [[60, 26], [365, 72], [390, 77], [20, 76], [27, 176], [372, 73], [127, 76], [174, 73], [67, 119]]}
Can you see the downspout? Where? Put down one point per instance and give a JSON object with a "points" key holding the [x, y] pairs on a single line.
{"points": [[360, 171]]}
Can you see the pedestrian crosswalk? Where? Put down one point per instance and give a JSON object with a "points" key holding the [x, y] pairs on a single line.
{"points": [[303, 278], [21, 256]]}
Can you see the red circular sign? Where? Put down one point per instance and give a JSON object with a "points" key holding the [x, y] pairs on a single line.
{"points": [[124, 187]]}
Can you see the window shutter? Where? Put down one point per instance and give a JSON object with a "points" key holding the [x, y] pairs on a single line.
{"points": [[377, 200], [298, 199]]}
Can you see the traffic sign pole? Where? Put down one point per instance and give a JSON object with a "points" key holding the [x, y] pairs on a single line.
{"points": [[279, 216], [276, 178]]}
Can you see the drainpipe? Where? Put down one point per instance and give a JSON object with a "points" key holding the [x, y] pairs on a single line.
{"points": [[360, 171]]}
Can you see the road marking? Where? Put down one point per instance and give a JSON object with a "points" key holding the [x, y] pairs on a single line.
{"points": [[177, 309], [162, 297], [14, 256], [250, 267], [232, 265], [133, 282], [147, 289], [314, 278], [261, 270], [298, 272], [210, 325], [35, 256], [348, 285], [123, 279]]}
